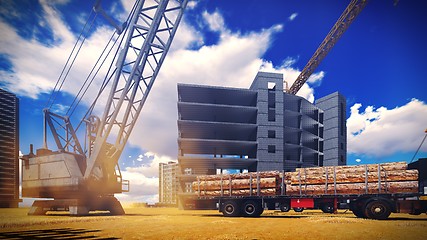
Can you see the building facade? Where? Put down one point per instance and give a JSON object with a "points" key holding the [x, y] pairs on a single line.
{"points": [[257, 129], [9, 149], [168, 182], [334, 130]]}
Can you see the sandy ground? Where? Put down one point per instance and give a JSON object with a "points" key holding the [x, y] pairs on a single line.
{"points": [[169, 223]]}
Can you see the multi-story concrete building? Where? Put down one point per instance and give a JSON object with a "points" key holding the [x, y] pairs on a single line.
{"points": [[256, 129], [334, 130], [9, 149], [168, 183]]}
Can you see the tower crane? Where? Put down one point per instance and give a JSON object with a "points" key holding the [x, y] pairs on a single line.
{"points": [[343, 22], [84, 177]]}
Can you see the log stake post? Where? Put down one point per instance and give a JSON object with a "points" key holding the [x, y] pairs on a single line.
{"points": [[250, 184], [366, 179], [204, 188], [257, 184], [282, 191], [326, 183], [299, 179], [385, 179], [305, 181], [335, 181], [379, 178], [198, 186], [229, 182], [222, 187]]}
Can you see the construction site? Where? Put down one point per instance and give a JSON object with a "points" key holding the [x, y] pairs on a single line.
{"points": [[248, 159]]}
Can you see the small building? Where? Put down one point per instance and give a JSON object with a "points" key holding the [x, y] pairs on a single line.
{"points": [[168, 183], [9, 149]]}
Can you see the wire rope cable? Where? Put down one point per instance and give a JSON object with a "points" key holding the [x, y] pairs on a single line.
{"points": [[54, 90], [72, 63], [80, 95], [419, 147], [108, 76]]}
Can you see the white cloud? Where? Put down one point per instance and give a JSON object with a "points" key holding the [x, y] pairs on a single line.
{"points": [[215, 21], [293, 16], [144, 179], [31, 59], [288, 62], [383, 132], [290, 74], [191, 4], [316, 78], [151, 168], [59, 108]]}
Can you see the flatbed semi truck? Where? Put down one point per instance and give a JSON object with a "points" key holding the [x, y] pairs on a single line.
{"points": [[371, 191]]}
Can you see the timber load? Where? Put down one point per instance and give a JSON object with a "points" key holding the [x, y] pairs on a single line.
{"points": [[333, 180], [241, 184], [348, 180]]}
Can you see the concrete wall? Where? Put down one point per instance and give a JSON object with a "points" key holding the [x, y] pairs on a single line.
{"points": [[270, 118], [335, 129]]}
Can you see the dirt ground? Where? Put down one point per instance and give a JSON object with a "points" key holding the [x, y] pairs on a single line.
{"points": [[170, 223]]}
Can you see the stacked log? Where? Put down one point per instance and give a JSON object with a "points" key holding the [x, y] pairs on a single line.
{"points": [[237, 184], [242, 184], [342, 180], [354, 188], [372, 178], [240, 192], [266, 174]]}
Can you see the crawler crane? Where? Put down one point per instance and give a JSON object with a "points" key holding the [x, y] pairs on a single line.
{"points": [[81, 176]]}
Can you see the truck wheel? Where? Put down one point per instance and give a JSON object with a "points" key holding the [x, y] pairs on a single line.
{"points": [[231, 209], [328, 208], [358, 207], [377, 209], [416, 212], [358, 213], [298, 209], [284, 207], [252, 209]]}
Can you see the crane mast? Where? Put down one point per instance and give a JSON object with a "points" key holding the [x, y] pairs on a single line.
{"points": [[136, 70], [343, 22]]}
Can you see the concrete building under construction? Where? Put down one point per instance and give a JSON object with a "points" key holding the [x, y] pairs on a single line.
{"points": [[256, 129], [168, 183], [9, 149]]}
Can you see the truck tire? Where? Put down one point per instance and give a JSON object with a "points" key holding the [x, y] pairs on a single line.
{"points": [[328, 208], [358, 208], [298, 209], [377, 209], [416, 212], [231, 209], [358, 213], [285, 207], [252, 209]]}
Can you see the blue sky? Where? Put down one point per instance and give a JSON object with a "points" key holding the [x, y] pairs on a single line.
{"points": [[378, 64]]}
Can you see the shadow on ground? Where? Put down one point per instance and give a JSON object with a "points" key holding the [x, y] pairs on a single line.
{"points": [[60, 233], [330, 216]]}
